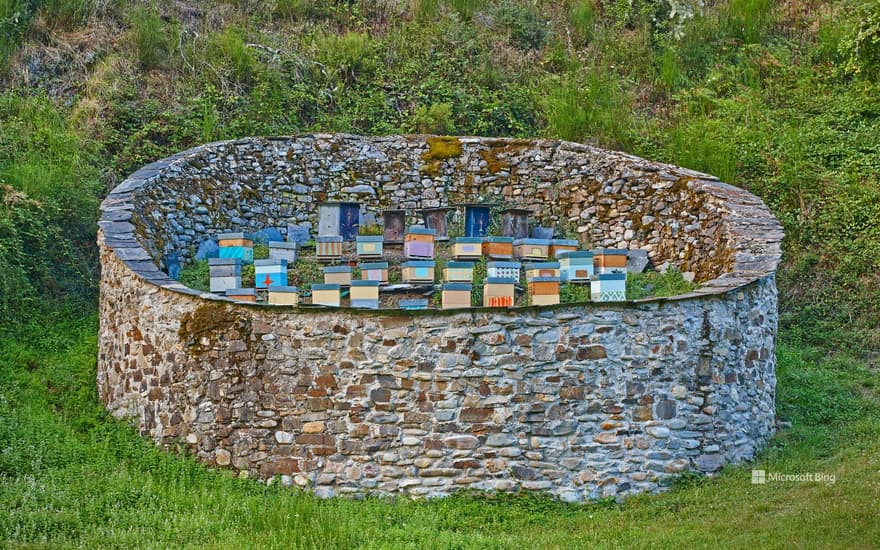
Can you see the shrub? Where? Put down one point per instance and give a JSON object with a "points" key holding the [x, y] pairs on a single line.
{"points": [[861, 46], [348, 57], [436, 119], [528, 30]]}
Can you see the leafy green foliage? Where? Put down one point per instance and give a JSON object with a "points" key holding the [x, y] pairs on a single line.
{"points": [[152, 39], [570, 293], [651, 284], [436, 119], [196, 275]]}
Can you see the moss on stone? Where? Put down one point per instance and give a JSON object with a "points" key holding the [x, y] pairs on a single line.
{"points": [[440, 148]]}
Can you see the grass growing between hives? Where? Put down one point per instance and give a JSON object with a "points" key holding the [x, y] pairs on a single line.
{"points": [[70, 475]]}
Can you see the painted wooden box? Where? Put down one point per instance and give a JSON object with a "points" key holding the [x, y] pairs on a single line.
{"points": [[609, 260], [459, 272], [544, 291], [280, 250], [608, 287], [339, 219], [419, 242], [498, 292], [503, 270], [370, 246], [337, 274], [270, 273], [498, 248], [326, 295], [284, 295], [235, 239], [225, 273], [328, 248], [477, 218], [414, 304], [375, 271], [467, 248], [395, 225], [576, 267], [236, 245], [558, 246], [365, 294], [417, 271], [242, 294], [541, 269], [531, 249], [515, 223], [456, 295]]}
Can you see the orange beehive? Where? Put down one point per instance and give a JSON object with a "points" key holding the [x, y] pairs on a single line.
{"points": [[498, 247], [498, 292], [609, 260], [544, 291], [558, 246]]}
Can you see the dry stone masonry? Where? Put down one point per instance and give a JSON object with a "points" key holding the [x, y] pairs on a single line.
{"points": [[579, 400]]}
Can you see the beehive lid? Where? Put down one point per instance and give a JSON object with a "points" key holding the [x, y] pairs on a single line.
{"points": [[370, 238], [414, 303], [419, 263], [224, 261], [420, 230], [241, 292], [365, 283], [270, 262], [564, 242], [610, 251], [539, 242], [571, 254], [468, 240], [545, 280], [500, 281], [284, 245], [460, 265], [284, 289], [326, 286], [231, 236], [609, 277], [502, 265], [328, 239], [499, 240], [543, 265], [374, 265], [458, 286], [337, 269]]}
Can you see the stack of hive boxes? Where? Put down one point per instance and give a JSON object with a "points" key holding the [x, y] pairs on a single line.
{"points": [[419, 243], [236, 246], [225, 273]]}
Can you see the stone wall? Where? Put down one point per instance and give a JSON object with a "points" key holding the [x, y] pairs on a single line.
{"points": [[582, 400]]}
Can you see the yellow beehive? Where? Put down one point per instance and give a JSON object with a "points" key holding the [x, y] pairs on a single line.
{"points": [[284, 295], [498, 292]]}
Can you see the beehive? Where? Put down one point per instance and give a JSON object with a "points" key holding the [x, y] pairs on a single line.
{"points": [[456, 295], [477, 218], [365, 294], [395, 225], [417, 271], [326, 295], [498, 292], [503, 270], [280, 250], [576, 267], [339, 219], [370, 246], [328, 248], [337, 274], [467, 248], [541, 269], [558, 246], [498, 248], [608, 287], [225, 273], [437, 219], [414, 303], [236, 245], [515, 223], [270, 273], [458, 272], [284, 295], [544, 291], [419, 242], [375, 271], [242, 294], [531, 249], [609, 260]]}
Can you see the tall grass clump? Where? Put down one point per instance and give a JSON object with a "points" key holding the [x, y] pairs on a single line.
{"points": [[15, 18], [349, 57], [582, 20], [747, 21], [153, 40], [66, 14]]}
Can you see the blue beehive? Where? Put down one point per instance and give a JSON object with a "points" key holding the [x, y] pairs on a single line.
{"points": [[414, 303], [477, 218], [503, 270], [608, 287], [236, 245], [421, 271], [576, 267], [270, 273]]}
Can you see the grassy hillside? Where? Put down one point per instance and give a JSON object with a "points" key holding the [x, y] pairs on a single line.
{"points": [[780, 98]]}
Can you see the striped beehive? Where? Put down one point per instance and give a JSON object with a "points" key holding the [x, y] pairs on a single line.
{"points": [[236, 245], [544, 291], [225, 273], [417, 271], [365, 294], [284, 295], [280, 250], [609, 260], [576, 267], [456, 295], [503, 270], [414, 303], [467, 248], [608, 287], [326, 295], [370, 246], [498, 292], [419, 242], [242, 294], [498, 248], [541, 269], [337, 274], [558, 246], [328, 248], [375, 271], [458, 272], [531, 249], [270, 273]]}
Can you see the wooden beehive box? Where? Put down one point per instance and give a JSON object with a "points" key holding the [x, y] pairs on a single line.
{"points": [[576, 267], [339, 219], [395, 225], [531, 249], [225, 273], [414, 304], [456, 295], [370, 246], [419, 242], [328, 248], [236, 245], [498, 292], [326, 295], [503, 270], [608, 287], [365, 294], [558, 246], [270, 273], [467, 248], [242, 294], [515, 223], [544, 291], [418, 271], [541, 269], [609, 260], [459, 272], [375, 271], [337, 274], [280, 250], [284, 295], [498, 248]]}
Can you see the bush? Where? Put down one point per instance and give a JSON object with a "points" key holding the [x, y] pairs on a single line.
{"points": [[349, 57], [861, 46], [528, 30], [436, 119]]}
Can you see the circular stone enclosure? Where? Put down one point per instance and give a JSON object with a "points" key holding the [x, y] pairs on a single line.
{"points": [[580, 400]]}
